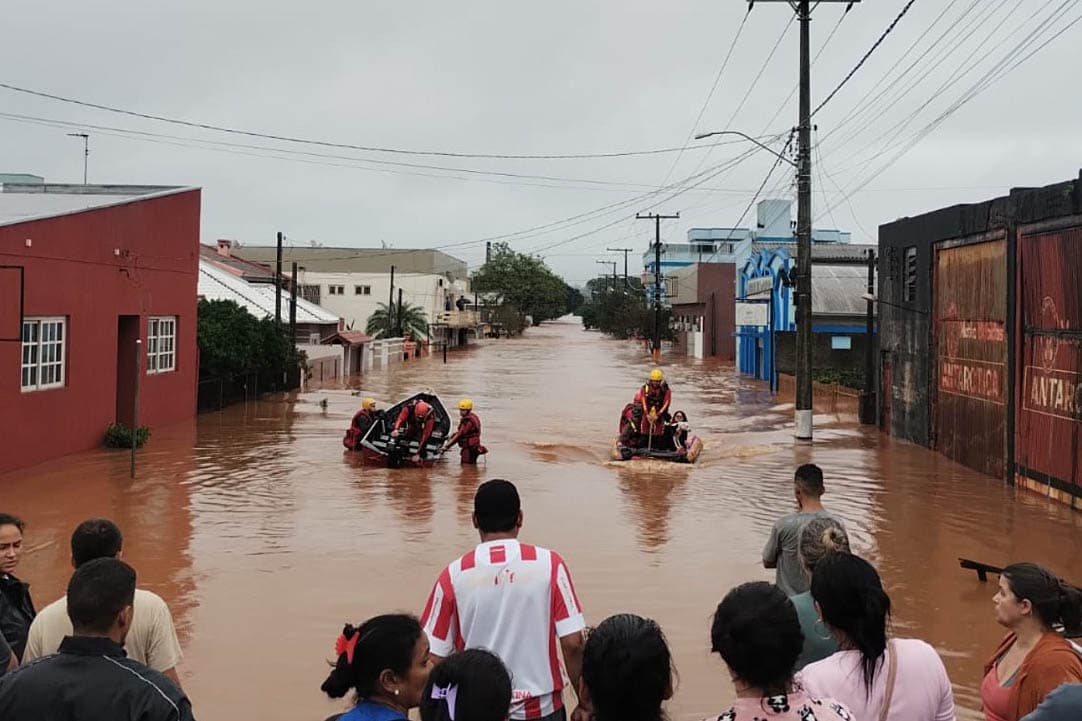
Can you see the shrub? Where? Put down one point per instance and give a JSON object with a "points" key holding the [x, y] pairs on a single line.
{"points": [[118, 435]]}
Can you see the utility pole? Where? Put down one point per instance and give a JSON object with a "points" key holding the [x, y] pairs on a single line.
{"points": [[293, 305], [399, 314], [625, 251], [86, 150], [868, 398], [390, 304], [657, 218], [613, 264], [278, 282], [804, 224], [488, 251]]}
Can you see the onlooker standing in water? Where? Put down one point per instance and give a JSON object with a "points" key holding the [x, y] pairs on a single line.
{"points": [[626, 671], [16, 608], [901, 679], [757, 634], [781, 550], [386, 662], [471, 685], [1033, 659], [152, 640], [90, 678], [821, 536], [513, 599]]}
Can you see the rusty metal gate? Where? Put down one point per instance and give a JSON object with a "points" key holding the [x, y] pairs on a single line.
{"points": [[1048, 437], [969, 327]]}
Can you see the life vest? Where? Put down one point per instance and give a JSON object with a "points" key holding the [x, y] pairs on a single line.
{"points": [[356, 431], [470, 431]]}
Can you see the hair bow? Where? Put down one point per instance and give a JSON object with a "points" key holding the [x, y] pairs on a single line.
{"points": [[346, 645], [448, 694]]}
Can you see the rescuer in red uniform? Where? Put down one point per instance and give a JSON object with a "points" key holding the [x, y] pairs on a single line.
{"points": [[362, 421], [468, 435], [415, 422], [655, 399]]}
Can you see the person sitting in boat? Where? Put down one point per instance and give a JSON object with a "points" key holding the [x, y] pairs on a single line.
{"points": [[415, 423], [655, 399], [683, 438], [468, 435], [631, 426], [362, 421]]}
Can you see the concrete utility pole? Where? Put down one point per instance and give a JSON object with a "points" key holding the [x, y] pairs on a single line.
{"points": [[613, 264], [657, 218], [390, 304], [625, 251], [868, 398], [86, 151], [293, 305], [804, 224], [278, 281], [488, 251]]}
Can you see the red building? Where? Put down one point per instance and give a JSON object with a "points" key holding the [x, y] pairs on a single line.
{"points": [[85, 273]]}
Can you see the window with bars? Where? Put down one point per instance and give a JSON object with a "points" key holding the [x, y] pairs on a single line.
{"points": [[162, 344], [43, 356], [310, 293], [909, 291]]}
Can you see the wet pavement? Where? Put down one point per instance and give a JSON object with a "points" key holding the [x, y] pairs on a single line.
{"points": [[264, 537]]}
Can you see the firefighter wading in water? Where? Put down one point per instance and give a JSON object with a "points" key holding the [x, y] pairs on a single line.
{"points": [[468, 435]]}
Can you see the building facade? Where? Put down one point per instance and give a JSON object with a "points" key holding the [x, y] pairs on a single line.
{"points": [[352, 282], [97, 299], [702, 310], [981, 338]]}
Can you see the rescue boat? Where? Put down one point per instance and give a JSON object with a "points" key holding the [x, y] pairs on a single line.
{"points": [[379, 449], [660, 446]]}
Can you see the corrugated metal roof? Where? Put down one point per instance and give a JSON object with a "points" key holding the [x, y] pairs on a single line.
{"points": [[838, 290], [23, 203], [257, 299], [823, 252]]}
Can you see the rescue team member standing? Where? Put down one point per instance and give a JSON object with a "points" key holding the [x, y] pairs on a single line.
{"points": [[655, 399], [91, 678], [153, 637], [468, 435], [513, 599], [16, 608], [362, 421], [415, 422]]}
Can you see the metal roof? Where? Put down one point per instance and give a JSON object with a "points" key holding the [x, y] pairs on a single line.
{"points": [[839, 290], [822, 252], [258, 299], [23, 203]]}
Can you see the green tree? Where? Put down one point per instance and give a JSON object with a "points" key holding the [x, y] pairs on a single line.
{"points": [[384, 323], [523, 282], [621, 311], [232, 342]]}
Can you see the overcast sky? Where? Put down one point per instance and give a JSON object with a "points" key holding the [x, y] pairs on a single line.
{"points": [[560, 77]]}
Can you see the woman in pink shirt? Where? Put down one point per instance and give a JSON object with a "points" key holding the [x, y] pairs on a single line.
{"points": [[757, 633], [901, 679]]}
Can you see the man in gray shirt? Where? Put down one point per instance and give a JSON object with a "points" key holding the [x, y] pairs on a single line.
{"points": [[781, 551]]}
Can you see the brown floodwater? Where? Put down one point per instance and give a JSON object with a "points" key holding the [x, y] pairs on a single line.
{"points": [[264, 537]]}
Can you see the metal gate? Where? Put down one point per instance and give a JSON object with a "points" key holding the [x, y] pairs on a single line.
{"points": [[969, 412], [1048, 437]]}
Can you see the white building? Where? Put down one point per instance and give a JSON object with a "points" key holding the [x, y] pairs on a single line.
{"points": [[352, 282]]}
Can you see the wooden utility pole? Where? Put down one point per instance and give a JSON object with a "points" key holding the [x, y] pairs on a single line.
{"points": [[278, 282], [657, 218], [625, 251]]}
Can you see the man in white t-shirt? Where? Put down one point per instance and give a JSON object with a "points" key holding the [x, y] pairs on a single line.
{"points": [[152, 640], [515, 600]]}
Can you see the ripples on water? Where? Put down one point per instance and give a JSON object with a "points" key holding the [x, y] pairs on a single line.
{"points": [[265, 536]]}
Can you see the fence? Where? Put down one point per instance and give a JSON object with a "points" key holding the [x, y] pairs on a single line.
{"points": [[215, 394]]}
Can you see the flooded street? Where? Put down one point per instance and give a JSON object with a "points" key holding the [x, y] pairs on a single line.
{"points": [[265, 537]]}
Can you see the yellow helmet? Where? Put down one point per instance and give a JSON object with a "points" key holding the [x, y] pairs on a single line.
{"points": [[465, 405], [368, 404], [657, 375]]}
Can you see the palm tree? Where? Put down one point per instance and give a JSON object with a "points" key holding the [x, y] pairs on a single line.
{"points": [[386, 324]]}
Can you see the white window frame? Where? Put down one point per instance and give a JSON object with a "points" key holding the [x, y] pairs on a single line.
{"points": [[40, 356], [161, 347]]}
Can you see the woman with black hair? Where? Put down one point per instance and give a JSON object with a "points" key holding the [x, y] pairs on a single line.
{"points": [[901, 679], [626, 671], [757, 633], [385, 661], [1033, 659], [471, 685]]}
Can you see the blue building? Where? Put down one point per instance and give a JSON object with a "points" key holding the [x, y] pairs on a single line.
{"points": [[839, 281]]}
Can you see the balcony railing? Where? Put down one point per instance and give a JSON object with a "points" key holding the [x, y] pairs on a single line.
{"points": [[459, 318]]}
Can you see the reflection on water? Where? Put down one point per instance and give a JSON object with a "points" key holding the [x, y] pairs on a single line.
{"points": [[264, 536]]}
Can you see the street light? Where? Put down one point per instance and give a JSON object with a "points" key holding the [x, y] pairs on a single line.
{"points": [[86, 150], [750, 139]]}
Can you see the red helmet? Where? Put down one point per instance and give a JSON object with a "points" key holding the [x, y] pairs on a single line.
{"points": [[421, 409]]}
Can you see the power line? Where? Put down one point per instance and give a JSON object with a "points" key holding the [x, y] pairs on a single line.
{"points": [[866, 56], [331, 144]]}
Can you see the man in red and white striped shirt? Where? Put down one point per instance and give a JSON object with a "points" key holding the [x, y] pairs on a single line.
{"points": [[515, 600]]}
